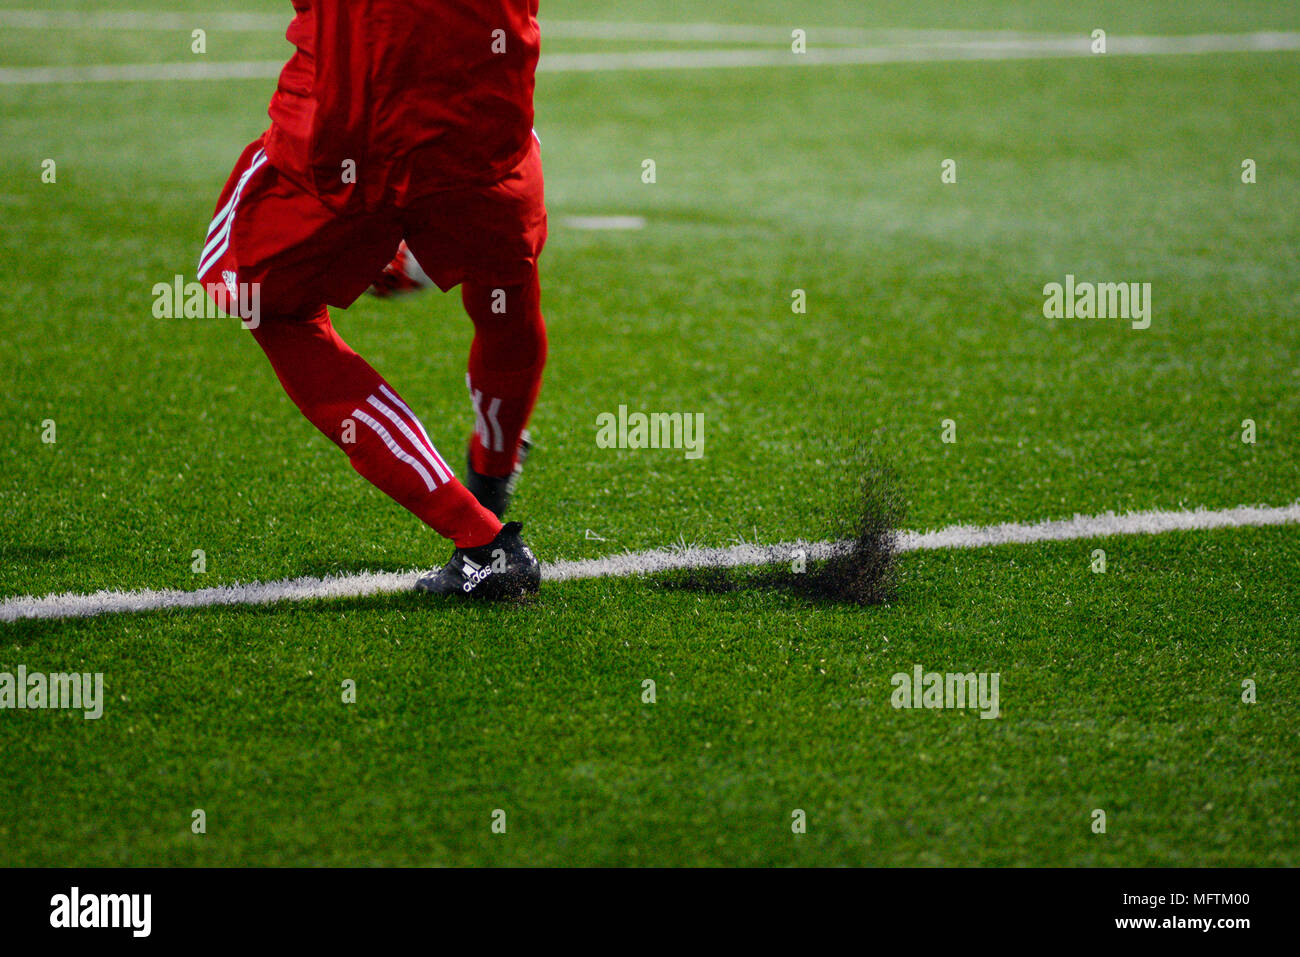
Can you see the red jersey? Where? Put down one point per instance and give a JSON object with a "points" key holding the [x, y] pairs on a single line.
{"points": [[420, 95]]}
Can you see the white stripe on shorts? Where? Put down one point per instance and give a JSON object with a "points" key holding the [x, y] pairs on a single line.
{"points": [[218, 244]]}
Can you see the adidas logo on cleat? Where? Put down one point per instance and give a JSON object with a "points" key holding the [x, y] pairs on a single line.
{"points": [[474, 575], [504, 568]]}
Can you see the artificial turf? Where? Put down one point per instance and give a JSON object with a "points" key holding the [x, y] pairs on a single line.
{"points": [[1121, 691]]}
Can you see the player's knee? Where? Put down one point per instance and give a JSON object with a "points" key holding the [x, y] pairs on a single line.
{"points": [[511, 339], [509, 311], [500, 303]]}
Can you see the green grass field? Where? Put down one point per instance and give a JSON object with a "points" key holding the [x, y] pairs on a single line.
{"points": [[1120, 691]]}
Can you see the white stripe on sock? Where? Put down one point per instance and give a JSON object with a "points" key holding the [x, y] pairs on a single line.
{"points": [[411, 437], [433, 449], [395, 448]]}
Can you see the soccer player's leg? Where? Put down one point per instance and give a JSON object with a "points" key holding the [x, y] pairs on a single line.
{"points": [[488, 239], [269, 234], [506, 360], [350, 403], [347, 400]]}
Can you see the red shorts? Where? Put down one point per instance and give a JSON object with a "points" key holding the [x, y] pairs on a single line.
{"points": [[270, 231]]}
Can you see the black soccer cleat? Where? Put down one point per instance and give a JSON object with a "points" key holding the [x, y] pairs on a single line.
{"points": [[503, 568], [493, 493]]}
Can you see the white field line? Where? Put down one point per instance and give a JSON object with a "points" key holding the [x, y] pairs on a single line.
{"points": [[140, 21], [73, 605], [1009, 48], [604, 222], [141, 72], [746, 33], [1003, 48]]}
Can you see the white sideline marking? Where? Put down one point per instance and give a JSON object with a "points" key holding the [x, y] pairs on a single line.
{"points": [[748, 33], [1008, 48], [73, 605], [604, 222], [137, 21], [141, 72]]}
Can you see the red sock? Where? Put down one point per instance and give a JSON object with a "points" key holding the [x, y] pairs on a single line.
{"points": [[505, 368], [361, 413]]}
